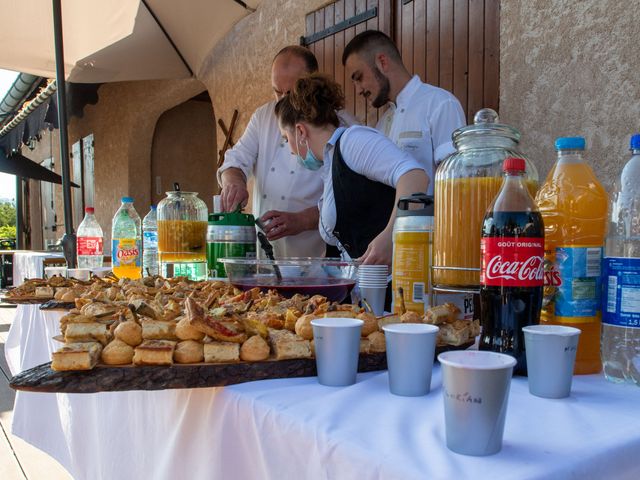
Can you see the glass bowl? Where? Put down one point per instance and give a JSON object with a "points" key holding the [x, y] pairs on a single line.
{"points": [[330, 277]]}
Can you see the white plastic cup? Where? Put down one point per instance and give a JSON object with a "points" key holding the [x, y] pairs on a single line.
{"points": [[101, 271], [475, 386], [551, 356], [50, 272], [337, 348], [410, 353], [375, 297], [82, 274]]}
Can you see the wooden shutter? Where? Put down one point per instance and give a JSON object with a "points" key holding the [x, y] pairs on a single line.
{"points": [[453, 44], [359, 15]]}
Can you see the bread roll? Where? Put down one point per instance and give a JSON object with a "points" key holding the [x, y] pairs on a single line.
{"points": [[184, 331], [158, 330], [129, 332], [154, 352], [189, 351], [370, 323], [87, 332], [303, 326], [221, 352], [377, 343], [117, 352], [255, 349], [288, 345]]}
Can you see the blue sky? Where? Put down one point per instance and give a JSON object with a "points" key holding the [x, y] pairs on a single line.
{"points": [[7, 182]]}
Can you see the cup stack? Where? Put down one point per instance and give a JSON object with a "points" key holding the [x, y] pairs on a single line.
{"points": [[372, 282]]}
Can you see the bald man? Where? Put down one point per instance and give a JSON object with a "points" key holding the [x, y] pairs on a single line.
{"points": [[285, 194]]}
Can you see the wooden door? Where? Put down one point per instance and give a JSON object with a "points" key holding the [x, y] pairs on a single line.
{"points": [[453, 44]]}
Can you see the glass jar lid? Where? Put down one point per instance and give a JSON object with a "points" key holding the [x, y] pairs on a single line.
{"points": [[485, 126]]}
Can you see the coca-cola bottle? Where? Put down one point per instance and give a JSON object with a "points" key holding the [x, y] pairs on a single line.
{"points": [[512, 273]]}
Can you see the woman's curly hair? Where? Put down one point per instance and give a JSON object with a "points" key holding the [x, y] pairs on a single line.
{"points": [[314, 99]]}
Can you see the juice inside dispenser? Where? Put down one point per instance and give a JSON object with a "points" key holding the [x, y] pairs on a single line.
{"points": [[182, 236]]}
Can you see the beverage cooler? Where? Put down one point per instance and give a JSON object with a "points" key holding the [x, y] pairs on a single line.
{"points": [[182, 236]]}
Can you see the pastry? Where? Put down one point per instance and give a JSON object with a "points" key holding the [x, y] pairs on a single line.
{"points": [[117, 352], [76, 356], [158, 330], [129, 332], [455, 333], [441, 314], [184, 331], [154, 352], [44, 292], [188, 351], [87, 332], [370, 323], [219, 330], [410, 317], [303, 326], [377, 342], [288, 345], [388, 320], [221, 352], [255, 349], [365, 345]]}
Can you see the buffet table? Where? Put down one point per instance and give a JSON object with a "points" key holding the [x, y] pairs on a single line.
{"points": [[30, 264], [298, 428]]}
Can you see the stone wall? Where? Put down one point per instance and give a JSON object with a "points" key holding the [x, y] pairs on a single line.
{"points": [[569, 67], [238, 73]]}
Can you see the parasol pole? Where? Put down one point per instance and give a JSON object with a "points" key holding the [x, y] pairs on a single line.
{"points": [[69, 238]]}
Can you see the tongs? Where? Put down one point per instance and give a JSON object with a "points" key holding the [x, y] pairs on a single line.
{"points": [[268, 249]]}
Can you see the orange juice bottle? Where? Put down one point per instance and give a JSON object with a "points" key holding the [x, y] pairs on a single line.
{"points": [[574, 205], [126, 244]]}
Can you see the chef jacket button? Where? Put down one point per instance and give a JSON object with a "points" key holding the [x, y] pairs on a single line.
{"points": [[264, 196], [402, 110], [292, 172], [273, 169], [282, 197]]}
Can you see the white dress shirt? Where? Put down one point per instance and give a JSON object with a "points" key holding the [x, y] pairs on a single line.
{"points": [[367, 152], [281, 183], [421, 123]]}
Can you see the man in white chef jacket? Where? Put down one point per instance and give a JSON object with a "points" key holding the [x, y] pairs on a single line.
{"points": [[285, 194], [419, 118]]}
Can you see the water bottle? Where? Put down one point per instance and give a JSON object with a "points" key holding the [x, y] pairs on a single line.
{"points": [[89, 241], [126, 246], [621, 273], [150, 243]]}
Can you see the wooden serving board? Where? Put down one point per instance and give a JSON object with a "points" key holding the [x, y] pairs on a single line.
{"points": [[124, 378], [25, 300], [57, 305]]}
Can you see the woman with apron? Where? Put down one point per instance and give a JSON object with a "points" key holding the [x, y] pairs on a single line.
{"points": [[364, 173]]}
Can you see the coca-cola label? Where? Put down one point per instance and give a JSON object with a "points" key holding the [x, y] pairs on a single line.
{"points": [[89, 246], [512, 262]]}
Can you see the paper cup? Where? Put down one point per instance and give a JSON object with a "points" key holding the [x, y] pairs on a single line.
{"points": [[475, 387], [55, 271], [551, 356], [337, 348], [375, 297], [79, 273], [410, 354]]}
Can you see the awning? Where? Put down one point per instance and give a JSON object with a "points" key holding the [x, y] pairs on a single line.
{"points": [[21, 166]]}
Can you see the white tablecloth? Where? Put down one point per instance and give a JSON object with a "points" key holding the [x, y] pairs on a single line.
{"points": [[29, 265], [296, 428]]}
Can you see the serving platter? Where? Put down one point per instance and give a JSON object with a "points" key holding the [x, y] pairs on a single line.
{"points": [[105, 378], [25, 300]]}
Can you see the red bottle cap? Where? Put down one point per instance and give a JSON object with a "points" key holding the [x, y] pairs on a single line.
{"points": [[89, 210], [513, 164]]}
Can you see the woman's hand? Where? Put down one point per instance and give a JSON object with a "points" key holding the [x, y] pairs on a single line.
{"points": [[379, 251]]}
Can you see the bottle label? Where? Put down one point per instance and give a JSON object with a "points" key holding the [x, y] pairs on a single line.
{"points": [[125, 252], [578, 292], [89, 246], [512, 262], [150, 240], [621, 297]]}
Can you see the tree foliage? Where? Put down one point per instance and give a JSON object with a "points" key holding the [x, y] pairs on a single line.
{"points": [[7, 214]]}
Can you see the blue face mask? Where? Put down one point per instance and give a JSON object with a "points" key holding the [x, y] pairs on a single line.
{"points": [[310, 162]]}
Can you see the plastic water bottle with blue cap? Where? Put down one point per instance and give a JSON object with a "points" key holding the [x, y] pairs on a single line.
{"points": [[621, 277], [573, 205], [126, 241], [150, 243]]}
